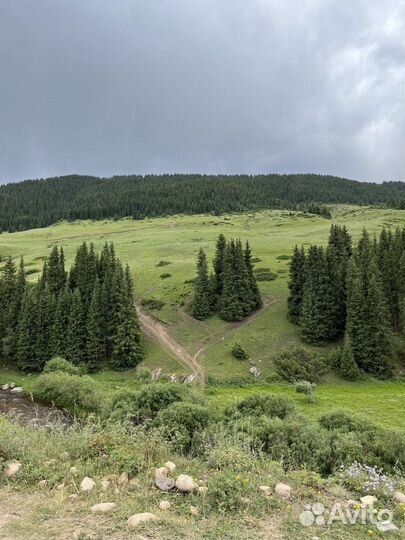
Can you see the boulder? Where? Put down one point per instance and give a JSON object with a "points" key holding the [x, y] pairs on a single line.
{"points": [[5, 387], [137, 519], [368, 500], [12, 469], [103, 508], [283, 490], [164, 483], [266, 490], [87, 484], [170, 466], [399, 497], [17, 390], [12, 385], [185, 483], [164, 505], [161, 471]]}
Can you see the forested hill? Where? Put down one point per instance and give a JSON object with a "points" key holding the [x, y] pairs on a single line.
{"points": [[38, 203]]}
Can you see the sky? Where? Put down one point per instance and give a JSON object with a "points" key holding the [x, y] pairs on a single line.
{"points": [[108, 87]]}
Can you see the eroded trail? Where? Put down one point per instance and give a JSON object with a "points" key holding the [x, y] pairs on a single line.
{"points": [[157, 331]]}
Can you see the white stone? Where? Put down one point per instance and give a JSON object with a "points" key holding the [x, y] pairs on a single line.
{"points": [[137, 519], [105, 484], [368, 500], [161, 471], [17, 390], [61, 486], [399, 497], [185, 483], [194, 510], [170, 466], [202, 490], [42, 484], [87, 484], [266, 490], [103, 508], [73, 497], [5, 387], [164, 505], [283, 490], [74, 471], [12, 385], [12, 469]]}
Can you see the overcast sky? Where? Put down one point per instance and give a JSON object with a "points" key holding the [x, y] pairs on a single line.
{"points": [[218, 86]]}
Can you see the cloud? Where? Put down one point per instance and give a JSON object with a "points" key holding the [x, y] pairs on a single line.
{"points": [[138, 86]]}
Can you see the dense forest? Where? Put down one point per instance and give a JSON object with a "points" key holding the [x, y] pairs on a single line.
{"points": [[86, 316], [39, 203], [231, 289], [352, 292]]}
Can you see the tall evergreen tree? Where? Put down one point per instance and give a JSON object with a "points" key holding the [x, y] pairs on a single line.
{"points": [[27, 333], [296, 284], [75, 345], [256, 299], [348, 368], [202, 301], [59, 341], [44, 326], [95, 346], [219, 264]]}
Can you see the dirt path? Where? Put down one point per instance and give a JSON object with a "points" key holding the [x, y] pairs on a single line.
{"points": [[157, 330]]}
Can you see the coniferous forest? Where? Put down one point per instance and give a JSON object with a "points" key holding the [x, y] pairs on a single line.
{"points": [[231, 289], [356, 293], [86, 315], [39, 203]]}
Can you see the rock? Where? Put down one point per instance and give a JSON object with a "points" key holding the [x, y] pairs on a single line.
{"points": [[105, 484], [283, 490], [61, 486], [5, 387], [255, 372], [103, 508], [64, 456], [368, 500], [116, 491], [12, 469], [161, 471], [185, 483], [245, 500], [74, 471], [194, 510], [170, 466], [164, 483], [266, 490], [42, 484], [72, 497], [123, 478], [399, 497], [17, 390], [137, 519], [202, 490], [87, 484], [12, 385], [164, 505]]}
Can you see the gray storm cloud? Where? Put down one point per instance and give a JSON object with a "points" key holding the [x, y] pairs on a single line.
{"points": [[135, 86]]}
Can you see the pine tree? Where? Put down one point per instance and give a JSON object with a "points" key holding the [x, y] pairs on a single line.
{"points": [[55, 271], [27, 332], [95, 350], [202, 301], [59, 340], [75, 346], [219, 264], [44, 325], [348, 368], [241, 276], [296, 285], [256, 299], [230, 306]]}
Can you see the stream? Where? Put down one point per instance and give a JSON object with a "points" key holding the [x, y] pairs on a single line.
{"points": [[23, 409]]}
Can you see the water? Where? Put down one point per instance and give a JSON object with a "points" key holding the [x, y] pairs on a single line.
{"points": [[26, 411]]}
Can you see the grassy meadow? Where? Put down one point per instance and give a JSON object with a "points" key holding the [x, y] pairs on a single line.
{"points": [[176, 241]]}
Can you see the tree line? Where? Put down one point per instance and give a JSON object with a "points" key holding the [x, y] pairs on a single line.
{"points": [[352, 292], [39, 203], [231, 289], [86, 315]]}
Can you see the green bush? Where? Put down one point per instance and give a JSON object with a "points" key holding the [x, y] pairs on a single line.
{"points": [[263, 404], [307, 388], [345, 421], [226, 491], [181, 421], [61, 365], [74, 393], [152, 303], [299, 364], [239, 352]]}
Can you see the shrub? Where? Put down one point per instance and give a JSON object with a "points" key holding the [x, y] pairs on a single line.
{"points": [[307, 388], [77, 394], [298, 364], [263, 404], [345, 421], [264, 274], [152, 303], [61, 365], [180, 421], [226, 490], [239, 352], [147, 402], [163, 263], [165, 275]]}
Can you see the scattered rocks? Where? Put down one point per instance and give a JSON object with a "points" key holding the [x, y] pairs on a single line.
{"points": [[17, 390], [255, 372], [137, 519], [266, 490], [105, 484], [368, 500], [194, 510], [170, 466], [399, 497], [156, 373], [5, 387], [103, 508], [64, 456], [87, 484], [283, 490], [164, 483], [161, 471], [185, 483], [164, 505], [12, 385], [123, 479], [12, 469]]}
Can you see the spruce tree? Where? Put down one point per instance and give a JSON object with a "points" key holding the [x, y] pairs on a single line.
{"points": [[75, 346], [219, 264], [14, 313], [44, 325], [256, 299], [231, 308], [95, 350], [59, 339], [348, 368], [296, 285], [27, 332], [202, 302]]}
